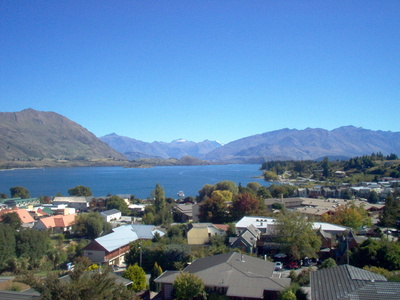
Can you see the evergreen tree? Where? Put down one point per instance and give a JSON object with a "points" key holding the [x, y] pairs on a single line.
{"points": [[157, 271], [159, 198]]}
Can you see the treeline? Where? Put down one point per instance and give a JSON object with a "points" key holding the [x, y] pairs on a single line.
{"points": [[373, 164]]}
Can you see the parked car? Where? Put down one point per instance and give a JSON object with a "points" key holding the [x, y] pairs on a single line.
{"points": [[292, 265], [278, 266]]}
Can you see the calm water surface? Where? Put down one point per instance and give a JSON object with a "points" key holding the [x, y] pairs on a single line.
{"points": [[118, 180]]}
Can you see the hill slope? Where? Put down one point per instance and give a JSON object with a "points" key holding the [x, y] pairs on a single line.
{"points": [[31, 134], [293, 144], [135, 149]]}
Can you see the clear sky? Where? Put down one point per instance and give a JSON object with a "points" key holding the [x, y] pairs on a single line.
{"points": [[218, 70]]}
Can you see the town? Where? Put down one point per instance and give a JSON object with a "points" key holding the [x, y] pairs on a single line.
{"points": [[299, 238]]}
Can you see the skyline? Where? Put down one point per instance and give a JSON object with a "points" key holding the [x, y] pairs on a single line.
{"points": [[197, 70]]}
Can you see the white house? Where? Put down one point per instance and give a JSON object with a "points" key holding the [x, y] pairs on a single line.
{"points": [[110, 215]]}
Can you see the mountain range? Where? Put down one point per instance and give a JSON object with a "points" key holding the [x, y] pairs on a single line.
{"points": [[135, 149], [31, 134]]}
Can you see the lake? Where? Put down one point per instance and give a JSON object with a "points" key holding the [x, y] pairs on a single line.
{"points": [[134, 181]]}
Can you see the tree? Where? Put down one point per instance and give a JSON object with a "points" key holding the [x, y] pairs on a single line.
{"points": [[137, 275], [204, 192], [349, 215], [188, 286], [270, 176], [116, 202], [159, 198], [213, 210], [297, 236], [12, 219], [19, 191], [32, 245], [7, 243], [282, 190], [157, 271], [254, 186], [390, 213], [222, 195], [80, 190], [245, 205], [373, 197], [3, 196], [328, 263], [91, 225], [83, 285], [227, 185], [326, 167]]}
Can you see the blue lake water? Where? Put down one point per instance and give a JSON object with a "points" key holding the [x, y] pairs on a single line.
{"points": [[118, 180]]}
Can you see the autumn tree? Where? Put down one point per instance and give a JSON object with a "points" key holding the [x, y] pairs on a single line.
{"points": [[188, 286], [224, 195], [245, 205], [349, 215], [213, 210], [19, 191], [80, 190], [297, 236]]}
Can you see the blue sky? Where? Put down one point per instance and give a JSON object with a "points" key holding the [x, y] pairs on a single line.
{"points": [[218, 70]]}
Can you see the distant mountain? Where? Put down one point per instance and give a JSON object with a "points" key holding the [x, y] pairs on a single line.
{"points": [[293, 144], [31, 134], [135, 149]]}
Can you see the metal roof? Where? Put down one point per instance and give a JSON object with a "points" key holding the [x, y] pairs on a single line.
{"points": [[123, 235], [340, 282], [110, 212]]}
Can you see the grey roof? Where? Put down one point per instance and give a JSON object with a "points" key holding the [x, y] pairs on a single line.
{"points": [[341, 282], [118, 279], [123, 235], [110, 212], [247, 277], [26, 295], [72, 199]]}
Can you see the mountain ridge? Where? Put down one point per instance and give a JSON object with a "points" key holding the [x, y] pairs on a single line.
{"points": [[31, 134]]}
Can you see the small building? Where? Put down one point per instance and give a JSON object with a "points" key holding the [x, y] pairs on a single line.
{"points": [[234, 275], [111, 215], [110, 249], [247, 240], [79, 203], [57, 223], [200, 233]]}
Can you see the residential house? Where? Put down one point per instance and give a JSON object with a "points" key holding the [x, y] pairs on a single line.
{"points": [[57, 223], [247, 240], [26, 219], [110, 215], [200, 233], [234, 275], [79, 203], [183, 212], [111, 248], [347, 282]]}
